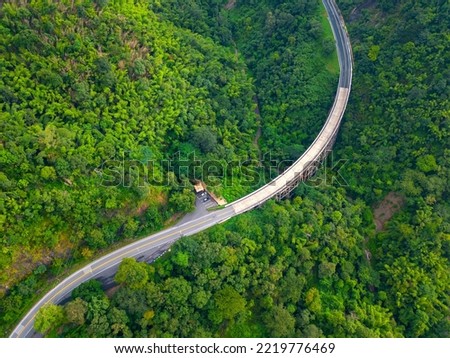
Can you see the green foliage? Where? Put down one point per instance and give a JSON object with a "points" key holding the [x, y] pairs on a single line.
{"points": [[313, 266], [373, 52], [227, 304], [204, 139], [252, 279], [183, 201], [48, 173], [75, 311], [279, 322], [181, 259], [427, 163], [289, 49], [397, 129], [83, 86], [132, 273], [287, 46], [87, 291], [397, 135], [48, 318]]}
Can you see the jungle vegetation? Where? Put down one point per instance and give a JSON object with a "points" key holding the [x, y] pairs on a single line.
{"points": [[360, 251]]}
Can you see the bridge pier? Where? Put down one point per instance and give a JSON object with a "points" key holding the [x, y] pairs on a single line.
{"points": [[306, 174]]}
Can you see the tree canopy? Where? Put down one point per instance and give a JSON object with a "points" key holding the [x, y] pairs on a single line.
{"points": [[362, 256]]}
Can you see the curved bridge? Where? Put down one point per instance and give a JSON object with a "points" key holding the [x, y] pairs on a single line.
{"points": [[105, 267], [307, 164]]}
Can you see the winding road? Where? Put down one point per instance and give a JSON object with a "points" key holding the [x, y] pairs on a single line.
{"points": [[105, 267]]}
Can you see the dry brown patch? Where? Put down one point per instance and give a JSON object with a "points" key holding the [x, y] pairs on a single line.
{"points": [[142, 208], [121, 64], [218, 199], [161, 198], [384, 211], [111, 291], [28, 259], [230, 5], [153, 197]]}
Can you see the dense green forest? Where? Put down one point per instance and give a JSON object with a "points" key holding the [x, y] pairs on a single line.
{"points": [[83, 86], [291, 269], [367, 257], [90, 88], [294, 269], [289, 49], [364, 257]]}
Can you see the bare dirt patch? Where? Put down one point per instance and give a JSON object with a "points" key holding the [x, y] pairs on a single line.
{"points": [[218, 199], [161, 198], [384, 211], [142, 208], [230, 5], [111, 291]]}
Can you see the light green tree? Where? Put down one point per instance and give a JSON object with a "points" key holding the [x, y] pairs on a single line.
{"points": [[49, 317], [132, 273], [228, 303]]}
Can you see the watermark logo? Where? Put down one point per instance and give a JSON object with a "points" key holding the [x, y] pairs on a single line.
{"points": [[123, 170]]}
